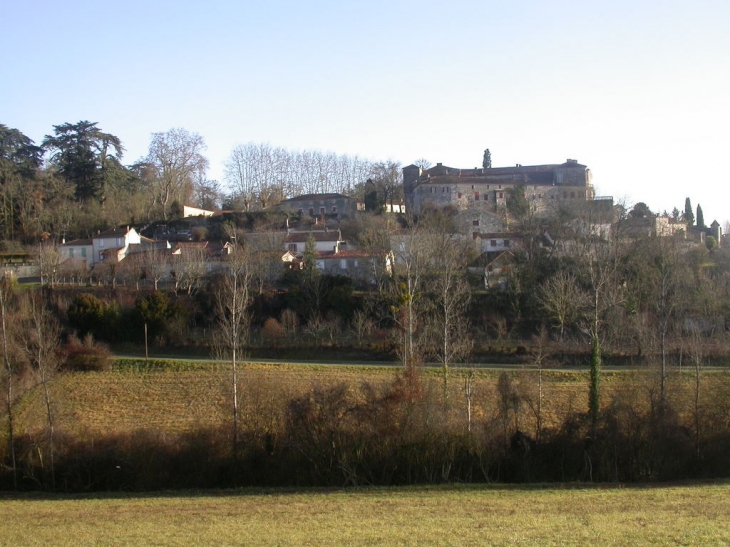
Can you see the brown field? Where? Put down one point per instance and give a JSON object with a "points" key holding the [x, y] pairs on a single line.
{"points": [[460, 515], [183, 400]]}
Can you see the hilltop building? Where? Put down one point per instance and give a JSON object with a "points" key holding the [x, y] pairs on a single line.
{"points": [[546, 186]]}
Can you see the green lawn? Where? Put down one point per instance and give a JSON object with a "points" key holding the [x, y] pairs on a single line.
{"points": [[693, 515]]}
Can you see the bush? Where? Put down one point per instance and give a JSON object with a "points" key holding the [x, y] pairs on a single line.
{"points": [[86, 355]]}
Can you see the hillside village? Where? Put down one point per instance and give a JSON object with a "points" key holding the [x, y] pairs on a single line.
{"points": [[497, 211], [440, 272]]}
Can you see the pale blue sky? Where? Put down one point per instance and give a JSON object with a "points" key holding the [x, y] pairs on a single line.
{"points": [[638, 91]]}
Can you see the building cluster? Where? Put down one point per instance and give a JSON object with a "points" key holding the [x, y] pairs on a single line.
{"points": [[478, 200]]}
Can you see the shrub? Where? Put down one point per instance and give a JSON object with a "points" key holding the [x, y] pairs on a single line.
{"points": [[86, 355]]}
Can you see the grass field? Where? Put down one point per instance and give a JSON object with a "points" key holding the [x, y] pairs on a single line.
{"points": [[193, 395], [460, 515]]}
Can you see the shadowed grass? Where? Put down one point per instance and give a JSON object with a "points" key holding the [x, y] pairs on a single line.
{"points": [[423, 516]]}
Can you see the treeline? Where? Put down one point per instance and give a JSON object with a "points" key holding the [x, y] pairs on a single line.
{"points": [[74, 182]]}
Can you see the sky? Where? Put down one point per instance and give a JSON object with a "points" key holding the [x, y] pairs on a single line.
{"points": [[637, 91]]}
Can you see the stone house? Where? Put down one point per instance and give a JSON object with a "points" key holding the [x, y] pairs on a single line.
{"points": [[319, 205], [544, 186]]}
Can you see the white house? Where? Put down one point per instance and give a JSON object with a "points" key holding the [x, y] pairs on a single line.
{"points": [[114, 242], [324, 241]]}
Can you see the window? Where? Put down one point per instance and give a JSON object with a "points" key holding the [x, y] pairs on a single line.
{"points": [[321, 210], [343, 264], [506, 242], [293, 248], [475, 223], [334, 209], [458, 195], [71, 252], [493, 242], [101, 256], [476, 196], [83, 252], [301, 211], [486, 197], [501, 195], [101, 243], [572, 195], [311, 211]]}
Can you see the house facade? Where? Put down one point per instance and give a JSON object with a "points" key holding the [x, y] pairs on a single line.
{"points": [[324, 241], [319, 204], [80, 252]]}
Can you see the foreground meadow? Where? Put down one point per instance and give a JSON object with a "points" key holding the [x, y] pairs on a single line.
{"points": [[443, 515]]}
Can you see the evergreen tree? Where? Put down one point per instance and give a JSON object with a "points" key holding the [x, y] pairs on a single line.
{"points": [[83, 153], [487, 161], [700, 217], [688, 215]]}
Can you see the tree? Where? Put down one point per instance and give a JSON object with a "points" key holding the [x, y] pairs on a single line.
{"points": [[42, 346], [689, 217], [700, 217], [388, 178], [157, 312], [10, 368], [517, 203], [412, 255], [233, 314], [450, 340], [176, 160], [601, 275], [640, 210], [487, 161], [83, 154], [564, 300], [188, 268], [20, 160]]}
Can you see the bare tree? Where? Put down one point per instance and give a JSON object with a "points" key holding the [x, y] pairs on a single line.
{"points": [[11, 367], [42, 346], [154, 264], [388, 178], [188, 268], [49, 261], [563, 299], [234, 317], [451, 295], [176, 158], [605, 293], [371, 233], [412, 257], [261, 175]]}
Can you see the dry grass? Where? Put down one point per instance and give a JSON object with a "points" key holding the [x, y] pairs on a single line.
{"points": [[178, 401], [450, 515]]}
